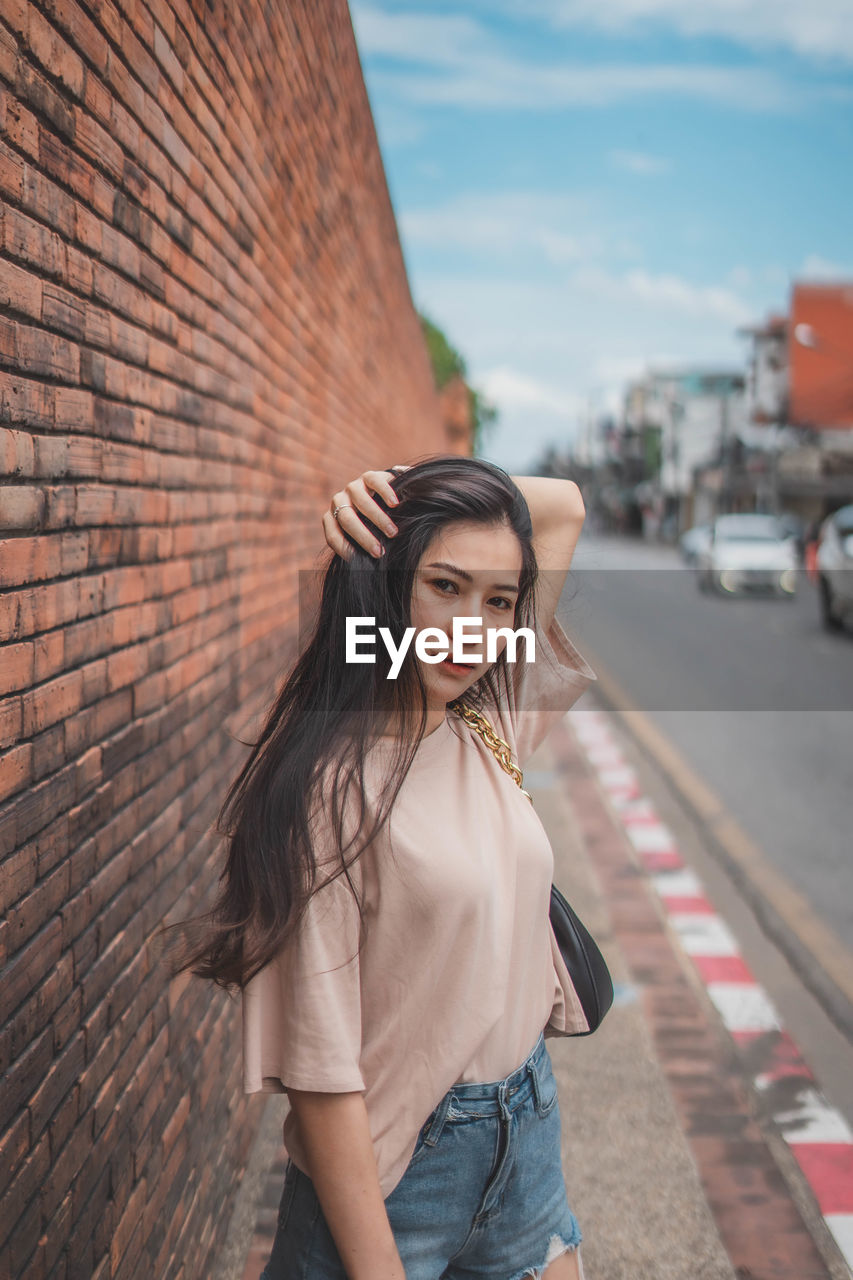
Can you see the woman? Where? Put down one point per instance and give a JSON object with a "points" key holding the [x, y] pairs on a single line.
{"points": [[385, 908]]}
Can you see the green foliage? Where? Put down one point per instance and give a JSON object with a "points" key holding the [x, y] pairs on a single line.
{"points": [[447, 364], [483, 417]]}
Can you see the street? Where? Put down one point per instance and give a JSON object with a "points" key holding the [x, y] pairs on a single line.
{"points": [[751, 691]]}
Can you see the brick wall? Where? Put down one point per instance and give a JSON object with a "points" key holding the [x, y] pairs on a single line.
{"points": [[205, 329]]}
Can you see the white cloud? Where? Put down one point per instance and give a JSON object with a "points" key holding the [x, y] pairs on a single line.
{"points": [[510, 389], [639, 162], [462, 64], [501, 83], [740, 277], [821, 28], [400, 128], [669, 293], [441, 40], [617, 371], [557, 228], [542, 348], [815, 267], [773, 274]]}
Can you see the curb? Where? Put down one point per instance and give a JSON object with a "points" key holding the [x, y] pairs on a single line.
{"points": [[817, 1135]]}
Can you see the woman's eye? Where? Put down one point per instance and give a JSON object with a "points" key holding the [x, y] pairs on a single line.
{"points": [[505, 604]]}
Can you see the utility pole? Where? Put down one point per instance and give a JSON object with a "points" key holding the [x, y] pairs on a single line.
{"points": [[725, 445]]}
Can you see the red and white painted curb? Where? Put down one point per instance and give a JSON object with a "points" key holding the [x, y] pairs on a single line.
{"points": [[817, 1134]]}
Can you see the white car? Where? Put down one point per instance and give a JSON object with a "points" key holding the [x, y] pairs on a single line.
{"points": [[834, 564], [746, 552]]}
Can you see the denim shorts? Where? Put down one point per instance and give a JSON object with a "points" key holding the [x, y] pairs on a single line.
{"points": [[482, 1198]]}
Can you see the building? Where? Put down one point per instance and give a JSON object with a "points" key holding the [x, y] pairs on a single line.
{"points": [[680, 421], [800, 404]]}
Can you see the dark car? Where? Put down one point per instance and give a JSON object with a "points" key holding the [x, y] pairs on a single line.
{"points": [[834, 564]]}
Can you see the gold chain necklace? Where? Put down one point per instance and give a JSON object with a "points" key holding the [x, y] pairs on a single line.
{"points": [[501, 749]]}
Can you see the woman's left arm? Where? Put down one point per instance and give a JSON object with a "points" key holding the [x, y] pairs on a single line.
{"points": [[557, 512]]}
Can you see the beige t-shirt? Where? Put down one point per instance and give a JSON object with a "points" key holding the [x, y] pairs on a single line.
{"points": [[459, 971]]}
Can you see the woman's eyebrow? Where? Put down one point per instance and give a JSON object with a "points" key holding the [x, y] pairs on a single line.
{"points": [[451, 568]]}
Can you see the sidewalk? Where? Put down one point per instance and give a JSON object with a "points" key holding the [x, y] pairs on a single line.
{"points": [[675, 1176], [668, 1169]]}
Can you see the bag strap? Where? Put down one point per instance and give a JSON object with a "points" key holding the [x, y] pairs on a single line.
{"points": [[500, 748]]}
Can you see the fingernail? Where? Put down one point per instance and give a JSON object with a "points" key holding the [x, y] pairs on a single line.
{"points": [[390, 528], [378, 550]]}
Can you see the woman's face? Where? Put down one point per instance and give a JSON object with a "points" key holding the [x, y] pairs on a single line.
{"points": [[491, 559]]}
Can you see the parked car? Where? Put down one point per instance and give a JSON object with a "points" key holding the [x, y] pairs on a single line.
{"points": [[834, 563], [692, 541], [748, 552]]}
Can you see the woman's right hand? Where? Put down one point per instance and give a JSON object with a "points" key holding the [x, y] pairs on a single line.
{"points": [[335, 1134], [354, 498]]}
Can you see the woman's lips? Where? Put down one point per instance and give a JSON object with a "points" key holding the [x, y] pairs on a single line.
{"points": [[458, 668]]}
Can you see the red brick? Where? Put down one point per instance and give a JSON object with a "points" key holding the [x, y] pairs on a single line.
{"points": [[60, 1080], [74, 409], [94, 504], [48, 752], [74, 552], [21, 508], [47, 354], [126, 1242], [49, 655], [41, 1009], [189, 321], [64, 1169], [9, 55], [14, 1146], [61, 310], [11, 719], [15, 769], [24, 1189], [51, 457], [59, 1127], [19, 873], [98, 721], [52, 702], [79, 273], [17, 457], [85, 455], [45, 199], [27, 559], [16, 666], [26, 402], [26, 1255], [87, 38], [20, 290], [54, 54], [52, 1241], [11, 165], [30, 964], [21, 126], [30, 1064], [34, 910], [67, 1018], [35, 89], [29, 241]]}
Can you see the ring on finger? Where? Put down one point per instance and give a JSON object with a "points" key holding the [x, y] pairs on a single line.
{"points": [[340, 508]]}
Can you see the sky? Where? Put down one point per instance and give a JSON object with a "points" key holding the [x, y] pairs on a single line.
{"points": [[586, 189]]}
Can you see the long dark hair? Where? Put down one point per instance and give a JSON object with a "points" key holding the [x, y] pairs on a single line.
{"points": [[316, 736]]}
